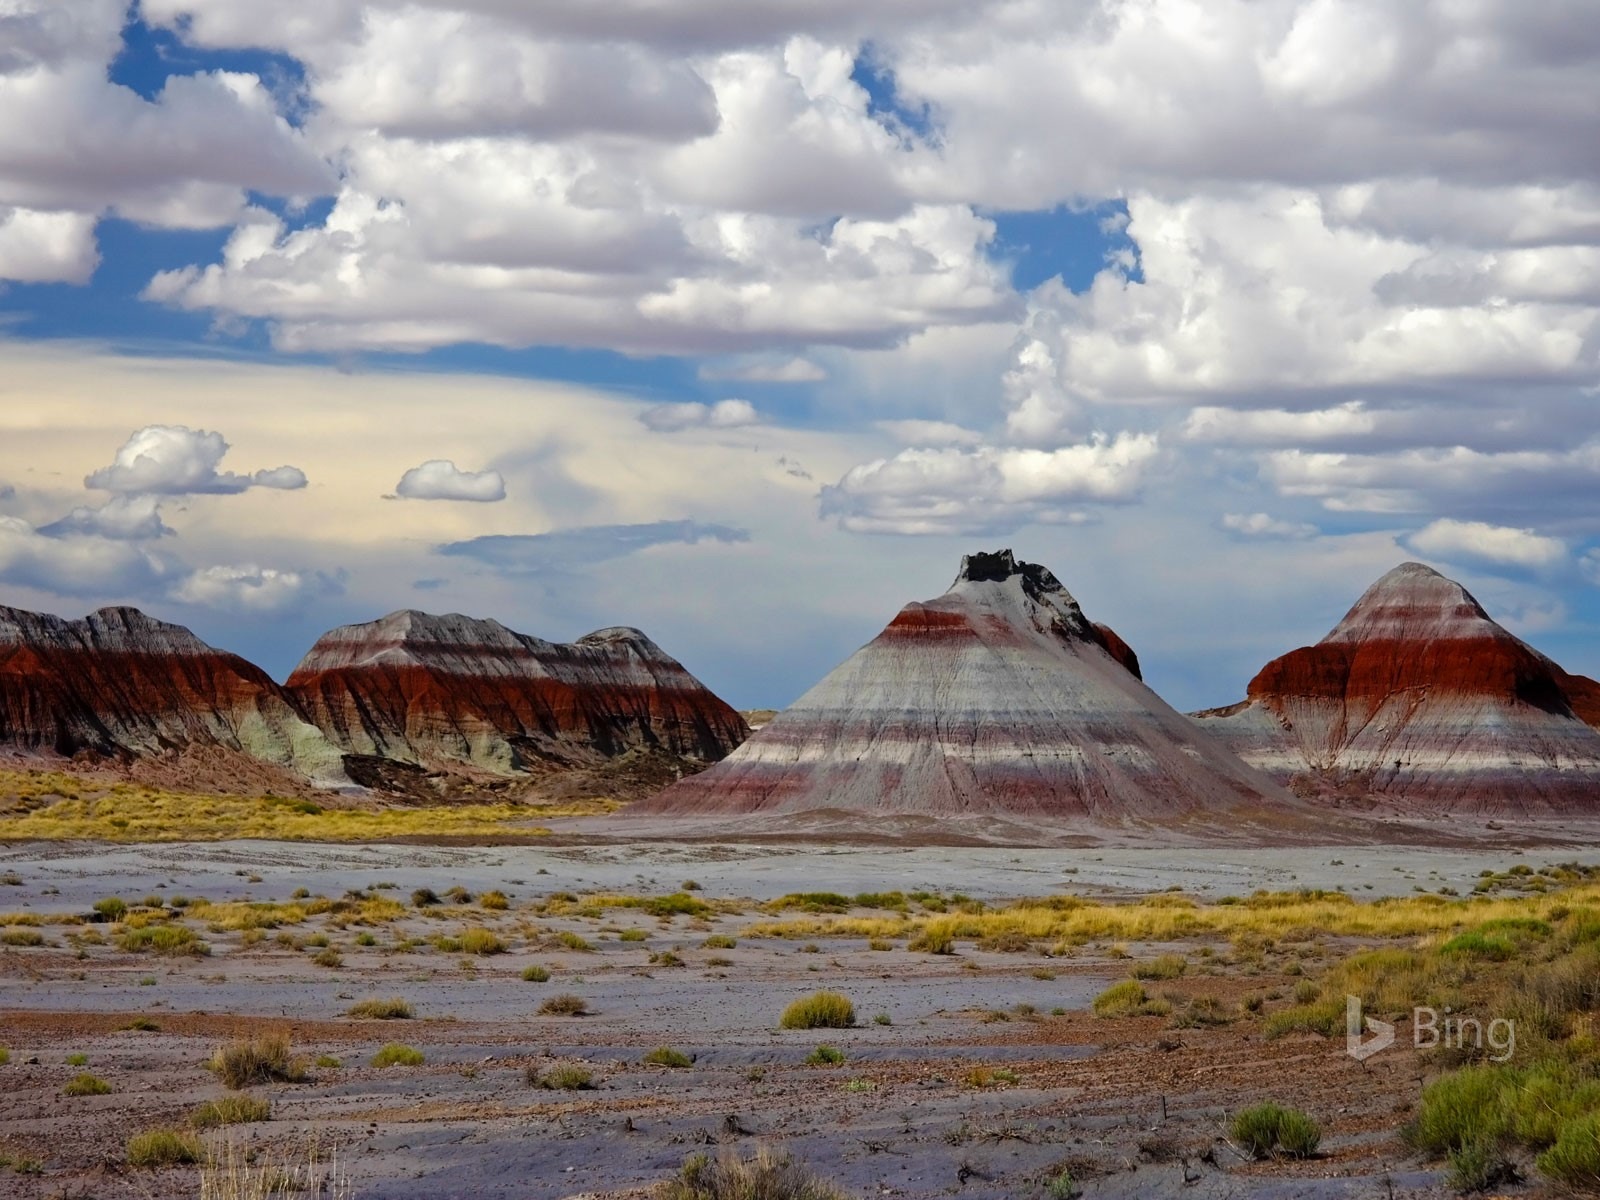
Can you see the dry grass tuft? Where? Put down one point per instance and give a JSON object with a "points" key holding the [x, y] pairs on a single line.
{"points": [[264, 1059]]}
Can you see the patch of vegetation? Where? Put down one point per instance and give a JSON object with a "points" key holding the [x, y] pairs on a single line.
{"points": [[666, 958], [769, 1176], [564, 1005], [230, 1110], [719, 941], [169, 940], [328, 957], [1167, 966], [573, 941], [820, 1010], [937, 937], [825, 1056], [21, 937], [536, 974], [264, 1059], [666, 1056], [1128, 999], [164, 1148], [85, 1084], [397, 1054], [140, 1025], [632, 935], [112, 908], [1269, 1129], [481, 941], [77, 1059], [392, 1008], [565, 1078]]}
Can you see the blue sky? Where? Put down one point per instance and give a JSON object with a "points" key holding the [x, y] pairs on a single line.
{"points": [[860, 287]]}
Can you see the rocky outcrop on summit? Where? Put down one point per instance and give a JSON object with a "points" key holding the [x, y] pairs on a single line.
{"points": [[1418, 696], [998, 698], [119, 683], [451, 691]]}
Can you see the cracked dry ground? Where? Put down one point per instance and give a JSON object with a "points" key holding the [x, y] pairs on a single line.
{"points": [[973, 1088]]}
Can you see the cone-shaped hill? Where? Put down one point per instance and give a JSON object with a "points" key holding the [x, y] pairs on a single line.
{"points": [[999, 697], [1418, 696]]}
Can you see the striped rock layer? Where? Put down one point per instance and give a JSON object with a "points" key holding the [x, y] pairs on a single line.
{"points": [[119, 683], [445, 691], [997, 698], [1418, 696]]}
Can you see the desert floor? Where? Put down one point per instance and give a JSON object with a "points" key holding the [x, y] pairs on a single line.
{"points": [[987, 1075]]}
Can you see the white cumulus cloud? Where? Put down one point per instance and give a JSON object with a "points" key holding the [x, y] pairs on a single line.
{"points": [[126, 518], [174, 460], [724, 414], [441, 479], [250, 588], [957, 490], [1453, 540]]}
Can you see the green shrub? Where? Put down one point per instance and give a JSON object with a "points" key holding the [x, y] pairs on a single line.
{"points": [[564, 1005], [883, 1018], [1458, 1110], [164, 1148], [568, 1078], [495, 900], [1575, 1157], [112, 908], [1326, 1017], [825, 1056], [1266, 1129], [820, 1010], [328, 957], [424, 898], [666, 1056], [391, 1009], [5, 1056], [1128, 999], [1480, 1165], [719, 941], [230, 1110], [77, 1059], [573, 941], [677, 904], [21, 937], [536, 974], [632, 935], [1167, 966], [140, 1025], [85, 1084], [396, 1054], [1476, 944]]}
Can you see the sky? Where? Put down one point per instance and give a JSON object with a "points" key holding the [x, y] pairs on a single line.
{"points": [[741, 323]]}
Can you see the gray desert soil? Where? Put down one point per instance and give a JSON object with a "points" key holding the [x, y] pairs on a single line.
{"points": [[988, 1076]]}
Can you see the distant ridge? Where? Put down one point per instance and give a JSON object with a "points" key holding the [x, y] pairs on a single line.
{"points": [[454, 691], [120, 684]]}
